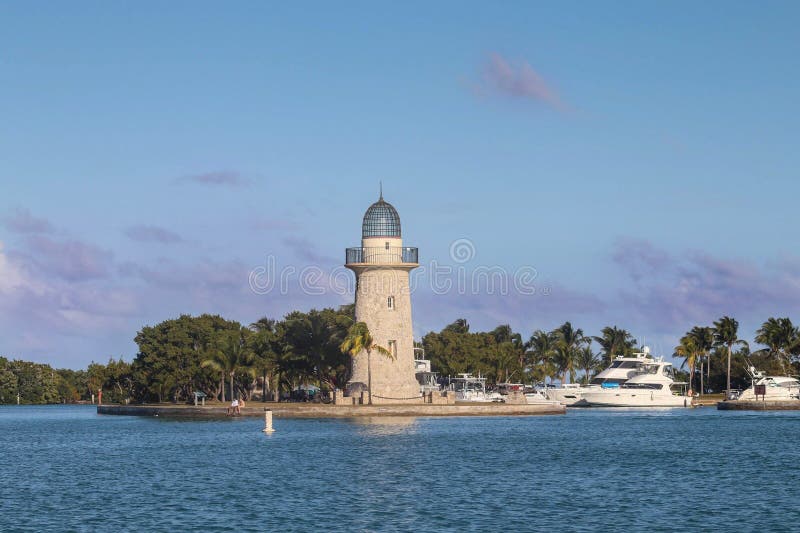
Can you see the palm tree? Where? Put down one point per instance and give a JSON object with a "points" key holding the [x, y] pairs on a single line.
{"points": [[588, 361], [703, 340], [780, 337], [263, 345], [615, 341], [726, 334], [688, 350], [504, 335], [232, 356], [540, 350], [360, 339], [569, 342]]}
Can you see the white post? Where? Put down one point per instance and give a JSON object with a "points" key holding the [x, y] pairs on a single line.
{"points": [[268, 421]]}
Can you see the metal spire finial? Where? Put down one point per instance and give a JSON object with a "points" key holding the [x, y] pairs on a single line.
{"points": [[381, 186]]}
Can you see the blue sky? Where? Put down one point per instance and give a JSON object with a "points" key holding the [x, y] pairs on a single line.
{"points": [[641, 156]]}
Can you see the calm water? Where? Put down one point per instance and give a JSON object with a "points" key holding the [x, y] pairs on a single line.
{"points": [[65, 468]]}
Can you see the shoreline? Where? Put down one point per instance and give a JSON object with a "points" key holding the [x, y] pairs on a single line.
{"points": [[300, 410]]}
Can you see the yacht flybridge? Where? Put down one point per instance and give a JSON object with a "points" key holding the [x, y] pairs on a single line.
{"points": [[651, 386], [620, 371]]}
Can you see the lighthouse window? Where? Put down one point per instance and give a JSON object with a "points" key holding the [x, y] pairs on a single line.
{"points": [[390, 302], [386, 245]]}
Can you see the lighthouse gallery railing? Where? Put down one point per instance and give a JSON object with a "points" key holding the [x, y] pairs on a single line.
{"points": [[381, 254]]}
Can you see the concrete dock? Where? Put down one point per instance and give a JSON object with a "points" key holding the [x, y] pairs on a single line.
{"points": [[761, 405], [310, 410]]}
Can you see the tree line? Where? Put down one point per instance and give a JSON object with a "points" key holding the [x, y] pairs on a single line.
{"points": [[272, 358]]}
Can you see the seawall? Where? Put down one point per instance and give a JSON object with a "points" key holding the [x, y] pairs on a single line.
{"points": [[768, 405], [305, 410]]}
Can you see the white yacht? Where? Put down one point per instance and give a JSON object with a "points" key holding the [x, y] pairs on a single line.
{"points": [[469, 388], [651, 386], [620, 371], [770, 387]]}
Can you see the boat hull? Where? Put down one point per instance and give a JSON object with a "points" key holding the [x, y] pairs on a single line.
{"points": [[571, 397], [634, 398]]}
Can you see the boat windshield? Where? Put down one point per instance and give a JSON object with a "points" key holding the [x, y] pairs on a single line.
{"points": [[624, 364], [468, 385], [648, 386], [600, 381]]}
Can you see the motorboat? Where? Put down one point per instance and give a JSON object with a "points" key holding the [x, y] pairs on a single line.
{"points": [[469, 388], [653, 385], [514, 392], [770, 387], [427, 379], [620, 370], [538, 397]]}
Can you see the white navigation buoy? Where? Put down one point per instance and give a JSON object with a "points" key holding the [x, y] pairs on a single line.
{"points": [[268, 421]]}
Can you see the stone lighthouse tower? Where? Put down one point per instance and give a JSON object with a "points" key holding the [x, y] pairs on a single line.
{"points": [[383, 301]]}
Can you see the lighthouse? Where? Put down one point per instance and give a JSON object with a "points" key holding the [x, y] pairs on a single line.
{"points": [[383, 301]]}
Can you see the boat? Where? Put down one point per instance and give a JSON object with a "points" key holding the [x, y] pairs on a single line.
{"points": [[515, 392], [469, 388], [538, 397], [427, 379], [652, 386], [777, 388], [620, 370]]}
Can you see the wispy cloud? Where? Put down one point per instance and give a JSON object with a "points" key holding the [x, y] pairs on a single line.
{"points": [[152, 234], [671, 292], [520, 81], [71, 260], [203, 275], [638, 257], [22, 221], [269, 224], [305, 250], [216, 179]]}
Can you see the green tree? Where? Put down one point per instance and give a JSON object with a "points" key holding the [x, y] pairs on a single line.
{"points": [[690, 353], [170, 354], [265, 347], [726, 334], [358, 340], [569, 342], [510, 351], [781, 339], [615, 341], [541, 352], [36, 383], [703, 337], [232, 356], [588, 362], [8, 383]]}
